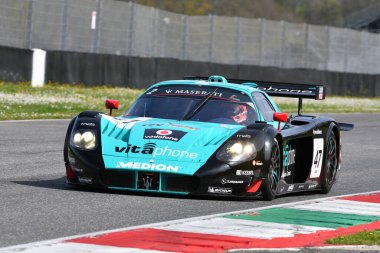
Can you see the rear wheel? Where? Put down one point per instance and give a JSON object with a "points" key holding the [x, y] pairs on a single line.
{"points": [[330, 167], [269, 185]]}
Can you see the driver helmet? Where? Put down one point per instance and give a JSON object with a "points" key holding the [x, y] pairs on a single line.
{"points": [[238, 113]]}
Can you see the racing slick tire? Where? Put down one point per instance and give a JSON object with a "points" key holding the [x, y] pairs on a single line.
{"points": [[330, 166], [269, 185]]}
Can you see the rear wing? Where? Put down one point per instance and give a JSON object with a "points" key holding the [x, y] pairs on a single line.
{"points": [[279, 89]]}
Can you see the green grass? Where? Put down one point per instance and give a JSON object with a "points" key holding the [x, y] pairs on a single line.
{"points": [[56, 101], [361, 238]]}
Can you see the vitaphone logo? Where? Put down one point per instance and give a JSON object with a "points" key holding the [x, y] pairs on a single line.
{"points": [[151, 149], [270, 88]]}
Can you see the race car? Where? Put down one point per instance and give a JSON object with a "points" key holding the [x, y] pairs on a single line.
{"points": [[207, 136]]}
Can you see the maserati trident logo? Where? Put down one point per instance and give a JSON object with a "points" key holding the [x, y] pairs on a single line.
{"points": [[147, 180]]}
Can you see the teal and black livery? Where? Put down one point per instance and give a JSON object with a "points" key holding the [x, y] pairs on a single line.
{"points": [[207, 136]]}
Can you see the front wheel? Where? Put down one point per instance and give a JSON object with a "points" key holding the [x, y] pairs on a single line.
{"points": [[330, 167], [269, 185]]}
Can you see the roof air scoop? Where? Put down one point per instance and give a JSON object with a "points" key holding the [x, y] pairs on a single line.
{"points": [[217, 79]]}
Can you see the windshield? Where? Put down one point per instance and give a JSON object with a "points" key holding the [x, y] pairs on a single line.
{"points": [[174, 102]]}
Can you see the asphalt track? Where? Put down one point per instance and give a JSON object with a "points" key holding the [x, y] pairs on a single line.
{"points": [[36, 204]]}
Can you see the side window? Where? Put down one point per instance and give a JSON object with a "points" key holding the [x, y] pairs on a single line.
{"points": [[264, 106]]}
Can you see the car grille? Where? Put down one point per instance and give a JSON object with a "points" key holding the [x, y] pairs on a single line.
{"points": [[180, 183], [123, 179], [164, 182]]}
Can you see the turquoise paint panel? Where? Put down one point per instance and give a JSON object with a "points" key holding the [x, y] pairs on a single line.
{"points": [[124, 145]]}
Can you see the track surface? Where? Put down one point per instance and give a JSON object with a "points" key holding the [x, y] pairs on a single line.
{"points": [[36, 203]]}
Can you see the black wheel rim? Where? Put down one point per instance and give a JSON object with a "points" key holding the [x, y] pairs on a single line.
{"points": [[331, 159], [274, 168]]}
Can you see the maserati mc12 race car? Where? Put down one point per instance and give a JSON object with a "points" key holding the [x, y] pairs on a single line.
{"points": [[207, 136]]}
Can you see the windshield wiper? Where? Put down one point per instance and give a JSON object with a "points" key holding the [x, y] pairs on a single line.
{"points": [[198, 106]]}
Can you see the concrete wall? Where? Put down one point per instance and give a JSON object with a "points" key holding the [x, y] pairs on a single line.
{"points": [[138, 72], [15, 64]]}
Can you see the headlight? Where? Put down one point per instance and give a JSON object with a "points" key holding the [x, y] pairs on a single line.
{"points": [[235, 151], [84, 139]]}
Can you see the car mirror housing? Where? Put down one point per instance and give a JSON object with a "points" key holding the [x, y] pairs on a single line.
{"points": [[280, 117], [112, 104]]}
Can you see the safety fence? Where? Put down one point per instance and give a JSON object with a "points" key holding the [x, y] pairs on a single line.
{"points": [[125, 28]]}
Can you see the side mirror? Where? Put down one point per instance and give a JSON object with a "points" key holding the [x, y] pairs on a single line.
{"points": [[112, 104], [280, 117]]}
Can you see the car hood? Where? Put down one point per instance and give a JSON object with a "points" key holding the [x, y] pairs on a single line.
{"points": [[153, 144]]}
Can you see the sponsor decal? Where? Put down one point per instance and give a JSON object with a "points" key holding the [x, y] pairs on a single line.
{"points": [[184, 127], [300, 186], [312, 186], [219, 190], [148, 148], [290, 188], [174, 153], [87, 124], [317, 131], [164, 134], [193, 92], [316, 166], [147, 166], [257, 163], [85, 180], [228, 181], [282, 189], [151, 149], [270, 88], [289, 159], [244, 172], [248, 136]]}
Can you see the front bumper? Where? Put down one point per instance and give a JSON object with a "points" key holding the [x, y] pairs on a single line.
{"points": [[214, 179]]}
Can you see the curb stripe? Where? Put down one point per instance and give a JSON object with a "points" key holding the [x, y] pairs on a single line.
{"points": [[372, 198], [66, 247], [156, 239], [242, 228], [342, 206], [306, 218]]}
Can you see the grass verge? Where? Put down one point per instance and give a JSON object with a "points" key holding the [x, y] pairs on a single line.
{"points": [[360, 238], [57, 101]]}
